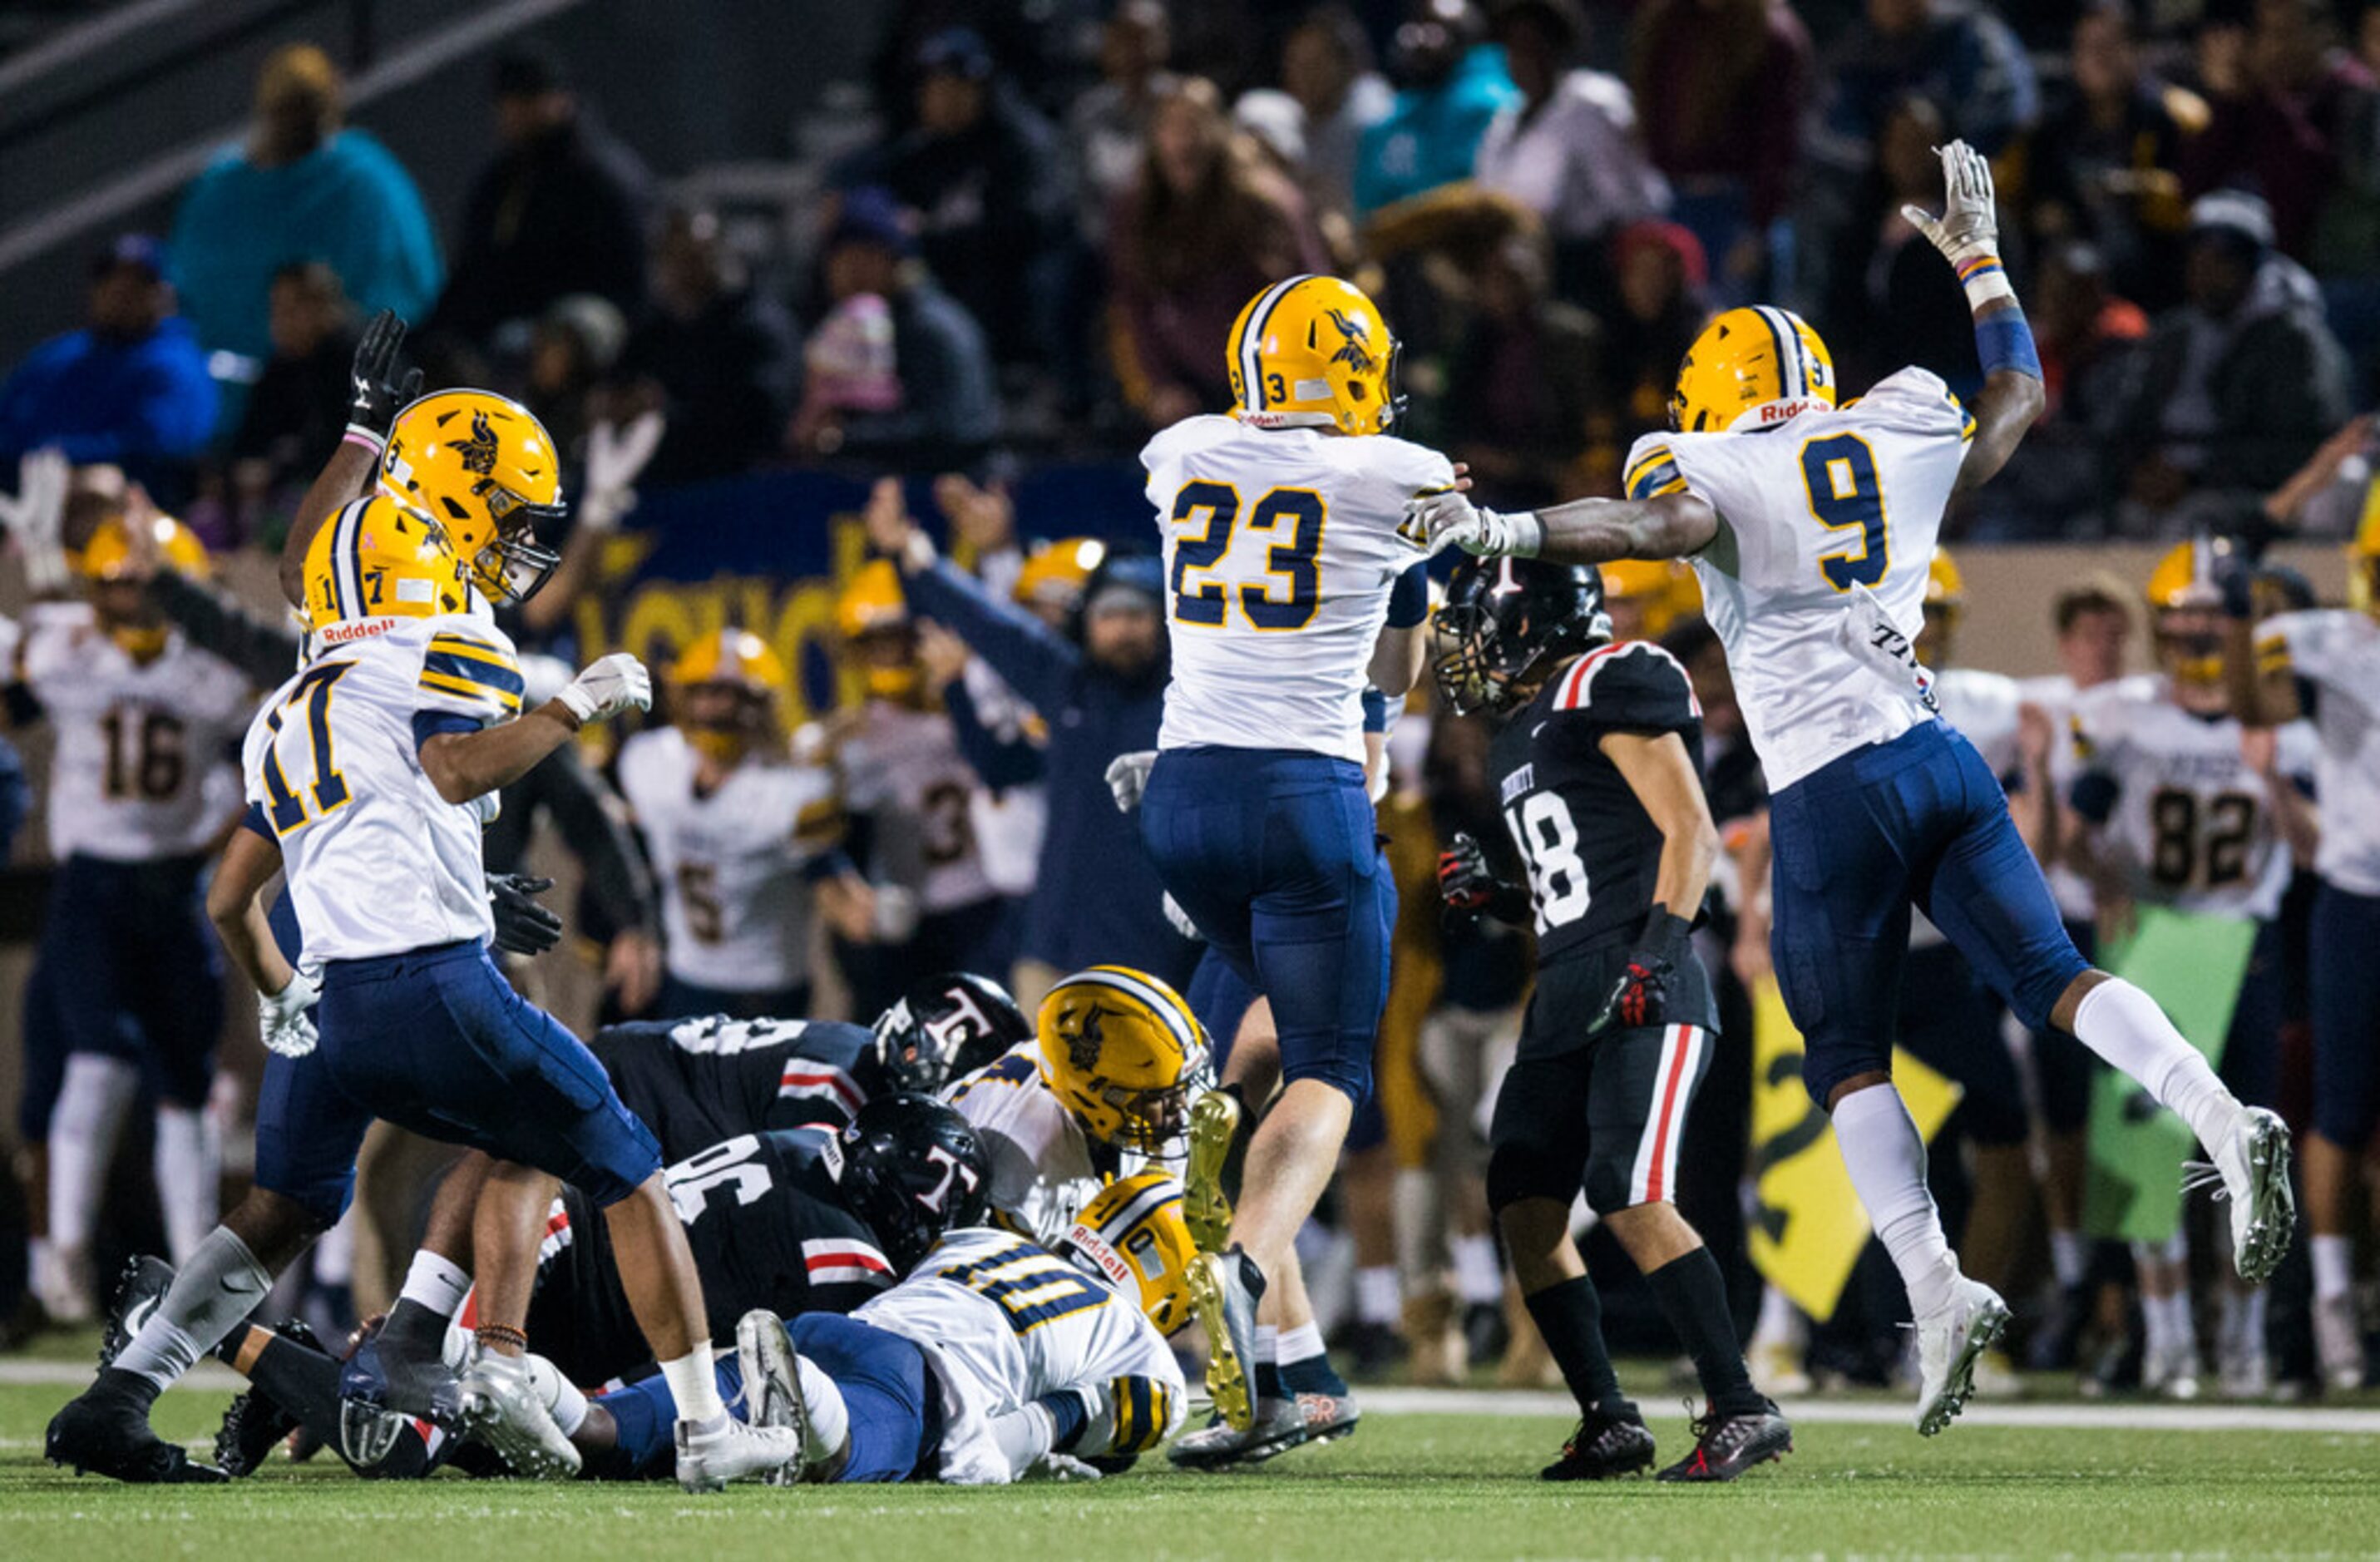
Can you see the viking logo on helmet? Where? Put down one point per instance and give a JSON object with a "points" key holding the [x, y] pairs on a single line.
{"points": [[1083, 1048], [479, 452], [1356, 351]]}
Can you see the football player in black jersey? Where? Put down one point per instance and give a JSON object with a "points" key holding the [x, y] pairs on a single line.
{"points": [[1598, 759]]}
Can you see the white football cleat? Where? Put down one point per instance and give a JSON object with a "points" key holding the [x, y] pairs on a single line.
{"points": [[710, 1456], [782, 1390], [2253, 1164], [1948, 1343], [2170, 1372], [2338, 1343], [503, 1409]]}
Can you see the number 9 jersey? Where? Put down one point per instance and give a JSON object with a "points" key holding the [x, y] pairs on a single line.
{"points": [[1815, 514], [378, 863], [1280, 547]]}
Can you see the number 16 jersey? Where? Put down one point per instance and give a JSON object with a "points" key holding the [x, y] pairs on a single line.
{"points": [[1816, 513]]}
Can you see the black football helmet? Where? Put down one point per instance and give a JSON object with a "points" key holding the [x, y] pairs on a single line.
{"points": [[912, 1169], [945, 1028], [1506, 619]]}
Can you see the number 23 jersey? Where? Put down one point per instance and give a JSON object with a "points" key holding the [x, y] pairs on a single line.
{"points": [[1280, 547], [378, 863], [1811, 511]]}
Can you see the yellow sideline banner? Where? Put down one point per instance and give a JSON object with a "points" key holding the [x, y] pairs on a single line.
{"points": [[1808, 1229]]}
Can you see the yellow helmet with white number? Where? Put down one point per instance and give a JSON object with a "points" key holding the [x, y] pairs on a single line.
{"points": [[484, 470], [1314, 352], [1119, 1049], [374, 562], [1752, 367], [1133, 1233]]}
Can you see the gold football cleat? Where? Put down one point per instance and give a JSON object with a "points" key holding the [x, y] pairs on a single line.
{"points": [[1228, 1349], [1214, 1123]]}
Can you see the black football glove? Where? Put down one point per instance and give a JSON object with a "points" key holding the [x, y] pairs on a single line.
{"points": [[523, 926], [380, 391], [1469, 887], [1640, 996]]}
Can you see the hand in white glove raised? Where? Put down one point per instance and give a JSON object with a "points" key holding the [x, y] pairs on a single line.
{"points": [[282, 1018], [607, 686], [1969, 227], [36, 517]]}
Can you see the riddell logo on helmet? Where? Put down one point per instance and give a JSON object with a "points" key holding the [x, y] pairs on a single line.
{"points": [[362, 629], [1777, 411]]}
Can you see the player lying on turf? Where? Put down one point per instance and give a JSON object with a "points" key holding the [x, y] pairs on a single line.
{"points": [[1598, 762], [1809, 527], [371, 773]]}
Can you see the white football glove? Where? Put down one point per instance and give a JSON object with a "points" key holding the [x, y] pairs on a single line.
{"points": [[1970, 225], [616, 454], [896, 913], [1066, 1467], [1446, 517], [1128, 777], [36, 517], [1181, 921], [282, 1018], [607, 686]]}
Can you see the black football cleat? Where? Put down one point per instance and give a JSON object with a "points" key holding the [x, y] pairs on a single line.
{"points": [[1725, 1447], [1601, 1448], [256, 1421], [142, 1285], [106, 1432]]}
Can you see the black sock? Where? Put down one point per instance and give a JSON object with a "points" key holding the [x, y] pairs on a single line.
{"points": [[1692, 1297], [1570, 1315], [116, 1382]]}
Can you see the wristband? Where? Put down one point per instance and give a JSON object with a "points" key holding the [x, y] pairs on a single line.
{"points": [[1409, 598], [2003, 340], [1984, 279], [359, 435], [1527, 534]]}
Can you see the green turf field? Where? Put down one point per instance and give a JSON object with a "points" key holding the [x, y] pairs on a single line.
{"points": [[1413, 1484]]}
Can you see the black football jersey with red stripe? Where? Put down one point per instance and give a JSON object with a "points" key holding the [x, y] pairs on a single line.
{"points": [[1592, 851], [767, 1228], [697, 1081]]}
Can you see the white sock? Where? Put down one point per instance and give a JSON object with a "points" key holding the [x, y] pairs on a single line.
{"points": [[1477, 1276], [2069, 1258], [2333, 1266], [1303, 1343], [436, 1282], [84, 1126], [1268, 1344], [190, 1173], [1780, 1321], [1886, 1155], [1377, 1299], [219, 1287], [694, 1385], [2124, 1025], [2243, 1318], [2181, 1327], [334, 1255], [562, 1397]]}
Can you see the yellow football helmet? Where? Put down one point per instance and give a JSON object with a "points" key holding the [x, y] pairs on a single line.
{"points": [[754, 676], [485, 470], [2186, 607], [1055, 573], [1314, 352], [373, 563], [1646, 596], [872, 615], [1751, 366], [108, 554], [1133, 1232], [1119, 1049]]}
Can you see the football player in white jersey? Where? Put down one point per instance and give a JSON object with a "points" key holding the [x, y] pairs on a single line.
{"points": [[743, 836], [1290, 592], [369, 775], [2335, 653], [2182, 806], [1808, 524], [127, 982]]}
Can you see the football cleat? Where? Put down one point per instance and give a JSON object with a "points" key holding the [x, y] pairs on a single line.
{"points": [[2338, 1342], [388, 1379], [1214, 1125], [502, 1409], [1224, 1288], [106, 1432], [1725, 1447], [772, 1395], [254, 1421], [2170, 1372], [1777, 1368], [1279, 1425], [1948, 1343], [1603, 1447], [142, 1285], [2253, 1164]]}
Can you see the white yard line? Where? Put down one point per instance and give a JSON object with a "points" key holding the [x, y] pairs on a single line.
{"points": [[2128, 1416], [75, 1374]]}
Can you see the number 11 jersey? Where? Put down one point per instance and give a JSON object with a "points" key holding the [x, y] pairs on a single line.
{"points": [[1826, 526]]}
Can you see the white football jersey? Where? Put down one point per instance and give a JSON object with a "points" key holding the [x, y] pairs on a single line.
{"points": [[2057, 698], [2190, 822], [733, 863], [1280, 547], [1004, 1320], [1828, 522], [143, 749], [903, 767], [378, 863], [1982, 705], [2338, 653], [1042, 1171]]}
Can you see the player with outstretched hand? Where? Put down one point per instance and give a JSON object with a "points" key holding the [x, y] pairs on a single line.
{"points": [[371, 773], [1810, 526], [1598, 762]]}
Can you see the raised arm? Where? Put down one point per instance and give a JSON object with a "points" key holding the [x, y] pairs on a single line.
{"points": [[380, 391], [1029, 656], [1968, 234], [463, 765]]}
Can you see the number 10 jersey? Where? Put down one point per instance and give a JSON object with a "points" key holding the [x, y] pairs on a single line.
{"points": [[1826, 524]]}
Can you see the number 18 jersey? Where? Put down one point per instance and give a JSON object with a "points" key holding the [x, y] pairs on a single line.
{"points": [[1817, 513], [1280, 547]]}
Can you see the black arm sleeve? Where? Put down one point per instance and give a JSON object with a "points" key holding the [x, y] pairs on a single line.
{"points": [[263, 650]]}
